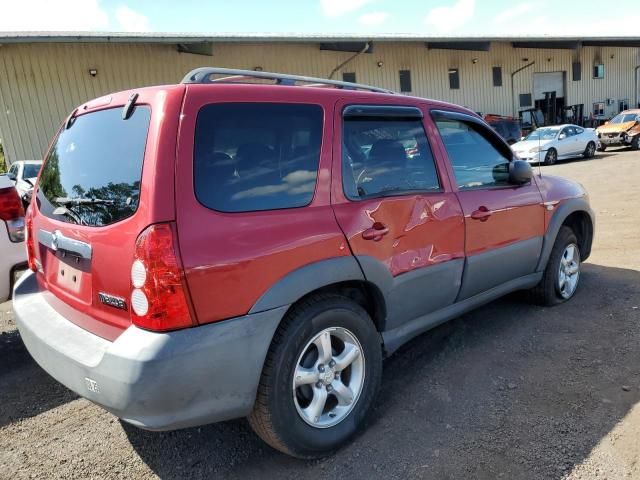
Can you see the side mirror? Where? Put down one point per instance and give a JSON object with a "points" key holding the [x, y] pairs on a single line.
{"points": [[520, 172], [562, 136]]}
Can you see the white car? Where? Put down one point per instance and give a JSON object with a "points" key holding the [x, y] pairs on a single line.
{"points": [[548, 144], [24, 173], [13, 253]]}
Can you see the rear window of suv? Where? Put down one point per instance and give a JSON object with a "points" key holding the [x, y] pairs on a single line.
{"points": [[92, 173], [256, 156]]}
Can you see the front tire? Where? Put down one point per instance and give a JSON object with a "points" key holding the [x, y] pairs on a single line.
{"points": [[635, 144], [562, 274], [602, 148], [551, 157], [320, 378], [590, 151]]}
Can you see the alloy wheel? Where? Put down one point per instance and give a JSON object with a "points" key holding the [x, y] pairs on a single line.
{"points": [[328, 377], [569, 271]]}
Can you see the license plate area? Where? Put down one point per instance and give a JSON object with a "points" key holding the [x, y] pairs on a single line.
{"points": [[70, 274]]}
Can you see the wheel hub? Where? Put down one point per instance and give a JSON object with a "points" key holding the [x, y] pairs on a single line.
{"points": [[569, 271], [328, 377]]}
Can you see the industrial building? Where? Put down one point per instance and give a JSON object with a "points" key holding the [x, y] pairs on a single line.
{"points": [[43, 76]]}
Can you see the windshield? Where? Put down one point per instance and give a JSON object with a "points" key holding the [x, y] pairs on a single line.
{"points": [[31, 170], [624, 118], [543, 134], [92, 173]]}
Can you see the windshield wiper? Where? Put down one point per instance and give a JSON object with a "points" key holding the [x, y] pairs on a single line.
{"points": [[83, 201]]}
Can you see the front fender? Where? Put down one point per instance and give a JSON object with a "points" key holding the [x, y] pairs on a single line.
{"points": [[562, 212]]}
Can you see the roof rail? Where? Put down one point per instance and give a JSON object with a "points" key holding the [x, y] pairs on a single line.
{"points": [[203, 76]]}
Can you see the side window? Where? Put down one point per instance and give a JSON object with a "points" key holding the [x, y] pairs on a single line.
{"points": [[567, 132], [386, 155], [14, 169], [475, 159], [578, 130], [256, 156]]}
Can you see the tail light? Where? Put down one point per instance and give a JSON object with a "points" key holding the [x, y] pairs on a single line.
{"points": [[12, 212], [31, 246], [158, 295]]}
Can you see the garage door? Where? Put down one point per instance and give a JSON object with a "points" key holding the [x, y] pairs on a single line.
{"points": [[548, 82]]}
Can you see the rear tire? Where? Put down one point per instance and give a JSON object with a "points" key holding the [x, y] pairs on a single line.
{"points": [[590, 151], [312, 418], [551, 157], [562, 274]]}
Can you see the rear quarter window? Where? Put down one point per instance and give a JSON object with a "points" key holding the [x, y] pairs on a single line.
{"points": [[256, 156], [92, 173]]}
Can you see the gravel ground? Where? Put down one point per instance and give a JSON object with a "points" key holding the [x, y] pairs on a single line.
{"points": [[508, 391]]}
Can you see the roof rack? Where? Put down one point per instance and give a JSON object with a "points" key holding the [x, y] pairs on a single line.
{"points": [[203, 76]]}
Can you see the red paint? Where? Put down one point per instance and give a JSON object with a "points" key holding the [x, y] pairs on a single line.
{"points": [[423, 229], [231, 259]]}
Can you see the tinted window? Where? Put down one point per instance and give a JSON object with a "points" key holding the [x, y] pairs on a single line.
{"points": [[405, 80], [454, 79], [349, 77], [92, 173], [386, 156], [30, 170], [256, 156], [475, 161], [497, 76]]}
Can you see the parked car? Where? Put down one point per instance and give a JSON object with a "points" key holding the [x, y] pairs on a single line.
{"points": [[24, 173], [549, 144], [13, 254], [507, 127], [621, 130], [255, 250]]}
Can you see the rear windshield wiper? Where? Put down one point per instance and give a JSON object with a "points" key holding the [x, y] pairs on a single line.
{"points": [[83, 201]]}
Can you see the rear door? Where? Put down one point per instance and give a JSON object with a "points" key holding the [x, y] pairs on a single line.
{"points": [[93, 198], [252, 191], [504, 223], [395, 206]]}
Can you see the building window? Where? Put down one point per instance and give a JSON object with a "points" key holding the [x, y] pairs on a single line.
{"points": [[577, 71], [405, 80], [349, 77], [623, 105], [454, 79], [497, 76], [598, 109], [525, 100], [598, 71]]}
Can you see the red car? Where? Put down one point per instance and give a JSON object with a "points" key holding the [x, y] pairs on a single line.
{"points": [[219, 249]]}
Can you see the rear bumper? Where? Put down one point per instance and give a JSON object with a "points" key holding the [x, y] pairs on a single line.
{"points": [[157, 381]]}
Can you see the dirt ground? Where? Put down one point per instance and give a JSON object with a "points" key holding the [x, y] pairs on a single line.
{"points": [[508, 391]]}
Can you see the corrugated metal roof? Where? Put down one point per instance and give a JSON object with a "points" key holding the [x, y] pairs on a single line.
{"points": [[124, 37]]}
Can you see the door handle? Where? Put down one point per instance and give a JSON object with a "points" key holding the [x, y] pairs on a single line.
{"points": [[482, 214], [376, 232]]}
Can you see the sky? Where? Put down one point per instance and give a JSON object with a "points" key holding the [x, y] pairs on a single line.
{"points": [[422, 17]]}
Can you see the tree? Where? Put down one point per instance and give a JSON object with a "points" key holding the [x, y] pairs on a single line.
{"points": [[3, 162]]}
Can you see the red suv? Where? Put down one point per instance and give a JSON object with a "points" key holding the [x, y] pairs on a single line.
{"points": [[221, 248]]}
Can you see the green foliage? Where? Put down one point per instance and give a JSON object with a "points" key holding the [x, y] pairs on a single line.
{"points": [[3, 162]]}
